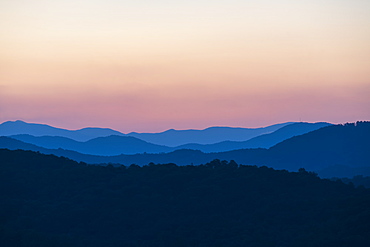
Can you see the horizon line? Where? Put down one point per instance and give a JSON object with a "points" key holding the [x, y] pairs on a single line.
{"points": [[172, 129]]}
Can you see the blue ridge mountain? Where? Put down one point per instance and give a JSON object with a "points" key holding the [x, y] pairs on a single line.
{"points": [[115, 145], [171, 138], [347, 144], [20, 127], [337, 151], [175, 138], [106, 146], [262, 141]]}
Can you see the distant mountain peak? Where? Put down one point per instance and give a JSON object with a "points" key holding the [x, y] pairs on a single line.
{"points": [[209, 135], [35, 129]]}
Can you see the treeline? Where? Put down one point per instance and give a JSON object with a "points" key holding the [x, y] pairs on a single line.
{"points": [[51, 201], [357, 181]]}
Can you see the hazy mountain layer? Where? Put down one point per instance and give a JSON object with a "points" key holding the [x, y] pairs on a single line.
{"points": [[210, 135], [262, 141], [108, 146], [19, 127], [168, 138], [115, 145], [346, 146]]}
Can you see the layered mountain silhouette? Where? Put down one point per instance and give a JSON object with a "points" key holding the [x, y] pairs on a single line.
{"points": [[171, 138], [262, 141], [115, 145], [345, 146], [108, 146], [20, 127]]}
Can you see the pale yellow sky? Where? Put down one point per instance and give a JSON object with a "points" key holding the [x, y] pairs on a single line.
{"points": [[154, 65]]}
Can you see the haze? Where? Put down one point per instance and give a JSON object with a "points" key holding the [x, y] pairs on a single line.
{"points": [[153, 65]]}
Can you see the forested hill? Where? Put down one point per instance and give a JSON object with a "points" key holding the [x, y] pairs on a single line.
{"points": [[347, 144], [53, 201]]}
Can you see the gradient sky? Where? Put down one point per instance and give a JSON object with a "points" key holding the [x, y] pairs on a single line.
{"points": [[153, 65]]}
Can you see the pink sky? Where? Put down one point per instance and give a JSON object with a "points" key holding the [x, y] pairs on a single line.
{"points": [[153, 66]]}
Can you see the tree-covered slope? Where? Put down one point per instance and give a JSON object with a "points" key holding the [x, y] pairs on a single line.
{"points": [[347, 145], [52, 201]]}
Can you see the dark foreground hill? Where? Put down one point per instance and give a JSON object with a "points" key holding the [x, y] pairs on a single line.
{"points": [[52, 201]]}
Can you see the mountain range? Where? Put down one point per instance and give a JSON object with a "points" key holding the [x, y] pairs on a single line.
{"points": [[107, 146], [123, 144], [171, 138], [174, 138], [20, 127], [261, 141], [337, 150]]}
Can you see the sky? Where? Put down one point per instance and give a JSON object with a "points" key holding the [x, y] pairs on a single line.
{"points": [[148, 66]]}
